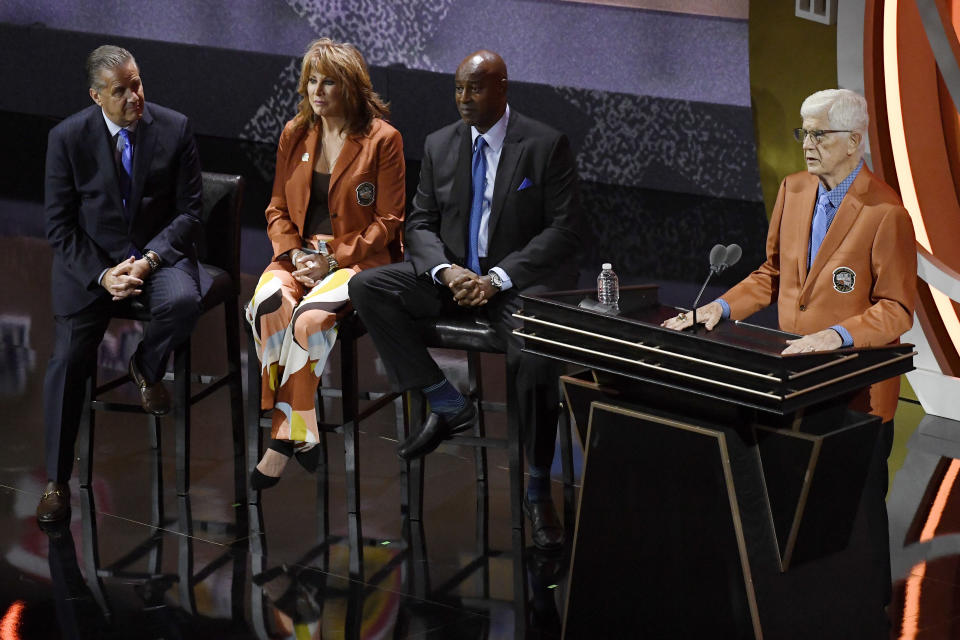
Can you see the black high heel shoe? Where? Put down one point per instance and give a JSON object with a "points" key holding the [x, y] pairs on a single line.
{"points": [[260, 480], [309, 459]]}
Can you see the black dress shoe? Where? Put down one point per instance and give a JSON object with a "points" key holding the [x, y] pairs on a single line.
{"points": [[547, 531], [153, 395], [435, 430], [54, 507]]}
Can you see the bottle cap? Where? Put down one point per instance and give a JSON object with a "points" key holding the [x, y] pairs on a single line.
{"points": [[607, 265]]}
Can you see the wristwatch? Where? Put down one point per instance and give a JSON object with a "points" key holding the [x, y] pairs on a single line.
{"points": [[153, 259], [332, 264], [495, 279]]}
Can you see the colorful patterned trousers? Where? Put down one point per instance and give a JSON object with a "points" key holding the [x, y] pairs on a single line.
{"points": [[295, 329]]}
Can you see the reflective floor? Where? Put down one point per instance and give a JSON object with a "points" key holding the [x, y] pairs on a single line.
{"points": [[139, 562]]}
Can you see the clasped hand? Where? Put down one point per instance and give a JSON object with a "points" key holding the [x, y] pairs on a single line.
{"points": [[311, 268], [468, 288], [125, 279]]}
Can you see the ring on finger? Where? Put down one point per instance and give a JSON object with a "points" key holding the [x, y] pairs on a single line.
{"points": [[681, 316]]}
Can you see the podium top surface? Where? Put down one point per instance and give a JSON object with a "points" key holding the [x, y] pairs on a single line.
{"points": [[736, 361]]}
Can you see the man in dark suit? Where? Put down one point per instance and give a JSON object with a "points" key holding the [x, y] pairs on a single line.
{"points": [[496, 215], [122, 201]]}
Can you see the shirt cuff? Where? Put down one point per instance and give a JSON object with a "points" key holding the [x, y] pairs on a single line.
{"points": [[436, 270], [844, 335], [507, 282], [102, 273], [726, 308]]}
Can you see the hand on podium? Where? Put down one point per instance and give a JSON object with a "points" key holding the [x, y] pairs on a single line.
{"points": [[826, 340], [709, 315]]}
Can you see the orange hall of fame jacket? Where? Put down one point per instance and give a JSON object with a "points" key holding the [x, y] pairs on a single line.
{"points": [[863, 277], [366, 196]]}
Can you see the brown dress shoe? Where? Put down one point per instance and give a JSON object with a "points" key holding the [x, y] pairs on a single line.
{"points": [[54, 504], [153, 395]]}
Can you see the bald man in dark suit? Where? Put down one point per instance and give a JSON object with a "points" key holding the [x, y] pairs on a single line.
{"points": [[496, 215]]}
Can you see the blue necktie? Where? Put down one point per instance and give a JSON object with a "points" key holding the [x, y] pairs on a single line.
{"points": [[821, 222], [126, 160], [479, 177]]}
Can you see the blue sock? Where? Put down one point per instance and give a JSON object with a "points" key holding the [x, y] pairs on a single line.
{"points": [[538, 488], [444, 399]]}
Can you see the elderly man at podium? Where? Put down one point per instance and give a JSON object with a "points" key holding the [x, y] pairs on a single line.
{"points": [[841, 265]]}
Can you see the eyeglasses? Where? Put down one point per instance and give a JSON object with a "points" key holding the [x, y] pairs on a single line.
{"points": [[801, 134]]}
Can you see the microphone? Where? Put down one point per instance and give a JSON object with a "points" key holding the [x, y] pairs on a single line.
{"points": [[721, 258], [717, 255], [734, 253]]}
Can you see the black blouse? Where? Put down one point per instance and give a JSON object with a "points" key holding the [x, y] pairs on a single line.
{"points": [[318, 210]]}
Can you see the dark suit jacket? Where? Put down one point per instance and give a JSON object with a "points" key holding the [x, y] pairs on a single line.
{"points": [[85, 220], [534, 232]]}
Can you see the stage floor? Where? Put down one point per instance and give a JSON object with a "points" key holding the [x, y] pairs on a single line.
{"points": [[123, 569]]}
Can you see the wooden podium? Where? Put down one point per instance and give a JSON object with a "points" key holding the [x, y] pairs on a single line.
{"points": [[722, 480]]}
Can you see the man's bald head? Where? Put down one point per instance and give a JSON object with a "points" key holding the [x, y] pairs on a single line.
{"points": [[481, 89]]}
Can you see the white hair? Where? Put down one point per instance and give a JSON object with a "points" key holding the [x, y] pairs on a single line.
{"points": [[844, 109]]}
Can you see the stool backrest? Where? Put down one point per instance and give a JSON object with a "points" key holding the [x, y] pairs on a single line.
{"points": [[219, 243]]}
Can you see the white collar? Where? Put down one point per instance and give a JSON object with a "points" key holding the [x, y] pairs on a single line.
{"points": [[495, 134], [114, 127]]}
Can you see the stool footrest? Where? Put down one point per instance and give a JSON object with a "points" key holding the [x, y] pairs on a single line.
{"points": [[210, 567], [122, 407], [469, 569], [136, 575], [112, 384], [212, 385], [474, 441], [199, 378]]}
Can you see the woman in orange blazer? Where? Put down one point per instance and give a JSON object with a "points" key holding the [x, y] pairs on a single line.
{"points": [[337, 207]]}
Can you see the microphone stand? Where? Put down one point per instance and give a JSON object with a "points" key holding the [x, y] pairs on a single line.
{"points": [[721, 257], [696, 302]]}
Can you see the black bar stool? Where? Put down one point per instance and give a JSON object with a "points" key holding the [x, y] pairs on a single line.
{"points": [[219, 252], [475, 336], [350, 330]]}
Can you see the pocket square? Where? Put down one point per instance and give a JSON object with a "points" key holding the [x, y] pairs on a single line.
{"points": [[527, 182]]}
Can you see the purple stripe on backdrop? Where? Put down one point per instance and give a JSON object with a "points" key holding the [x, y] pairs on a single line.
{"points": [[738, 9], [552, 42]]}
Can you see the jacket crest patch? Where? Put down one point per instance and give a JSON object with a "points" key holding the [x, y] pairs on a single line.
{"points": [[844, 279], [366, 194]]}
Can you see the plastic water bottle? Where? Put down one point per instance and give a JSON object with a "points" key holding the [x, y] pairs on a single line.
{"points": [[608, 286]]}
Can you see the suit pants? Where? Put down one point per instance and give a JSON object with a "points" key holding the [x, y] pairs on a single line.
{"points": [[391, 298], [171, 295]]}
